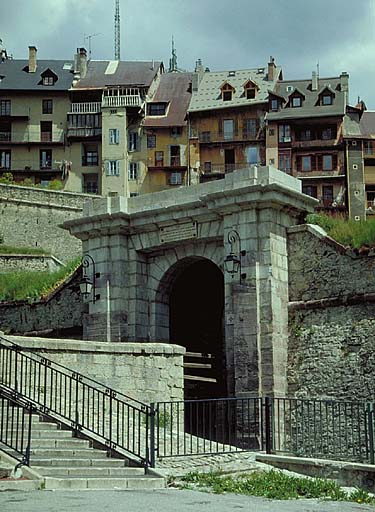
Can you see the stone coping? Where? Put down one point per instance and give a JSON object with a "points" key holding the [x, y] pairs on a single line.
{"points": [[46, 191], [63, 345], [32, 256], [305, 461]]}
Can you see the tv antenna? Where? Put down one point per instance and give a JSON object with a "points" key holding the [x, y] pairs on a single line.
{"points": [[88, 38], [117, 29]]}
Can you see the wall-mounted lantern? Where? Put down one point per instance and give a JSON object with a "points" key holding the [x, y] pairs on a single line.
{"points": [[232, 262], [88, 283]]}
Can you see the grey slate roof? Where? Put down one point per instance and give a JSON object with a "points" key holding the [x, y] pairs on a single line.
{"points": [[15, 79], [208, 96], [127, 73], [367, 123], [309, 107], [173, 88]]}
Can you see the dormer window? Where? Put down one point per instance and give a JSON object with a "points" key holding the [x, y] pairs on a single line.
{"points": [[274, 104], [227, 91], [250, 89], [297, 101], [156, 109], [327, 99], [48, 78]]}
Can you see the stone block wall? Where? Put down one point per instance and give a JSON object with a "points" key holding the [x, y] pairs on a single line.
{"points": [[148, 372], [29, 263], [60, 311], [331, 318], [31, 217]]}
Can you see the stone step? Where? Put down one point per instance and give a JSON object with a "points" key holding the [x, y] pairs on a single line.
{"points": [[58, 453], [89, 471], [51, 443], [41, 434], [76, 462], [19, 485], [129, 483]]}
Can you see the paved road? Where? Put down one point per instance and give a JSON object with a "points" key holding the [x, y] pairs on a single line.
{"points": [[169, 500]]}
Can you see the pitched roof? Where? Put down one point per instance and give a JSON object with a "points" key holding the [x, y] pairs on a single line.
{"points": [[309, 108], [367, 123], [208, 96], [103, 73], [174, 88], [17, 78]]}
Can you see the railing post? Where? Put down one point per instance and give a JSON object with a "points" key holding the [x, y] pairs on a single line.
{"points": [[268, 424], [370, 420], [152, 435]]}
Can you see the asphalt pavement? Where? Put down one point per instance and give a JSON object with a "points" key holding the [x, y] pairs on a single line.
{"points": [[166, 500]]}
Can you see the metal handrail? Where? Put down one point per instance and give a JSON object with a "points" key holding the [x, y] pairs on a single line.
{"points": [[119, 421], [15, 426]]}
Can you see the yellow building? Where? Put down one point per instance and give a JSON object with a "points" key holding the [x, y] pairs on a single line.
{"points": [[226, 116], [166, 133], [34, 99]]}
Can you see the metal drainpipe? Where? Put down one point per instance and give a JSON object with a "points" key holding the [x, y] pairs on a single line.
{"points": [[188, 150]]}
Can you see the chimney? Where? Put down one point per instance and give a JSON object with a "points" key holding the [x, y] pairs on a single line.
{"points": [[82, 61], [76, 62], [344, 81], [271, 70], [197, 76], [314, 81], [32, 59]]}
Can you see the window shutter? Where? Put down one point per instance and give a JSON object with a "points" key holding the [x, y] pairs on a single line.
{"points": [[334, 161], [235, 126], [299, 163], [220, 123], [117, 167], [117, 136], [319, 162]]}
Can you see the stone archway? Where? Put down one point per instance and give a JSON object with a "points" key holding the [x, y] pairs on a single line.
{"points": [[190, 305]]}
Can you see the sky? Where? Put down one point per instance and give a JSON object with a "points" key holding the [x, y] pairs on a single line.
{"points": [[225, 34]]}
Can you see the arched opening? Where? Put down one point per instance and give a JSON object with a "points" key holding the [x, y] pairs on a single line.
{"points": [[196, 306]]}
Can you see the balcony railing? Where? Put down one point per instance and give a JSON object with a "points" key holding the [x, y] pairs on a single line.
{"points": [[122, 101], [175, 161], [84, 132], [241, 135], [31, 136], [90, 160], [224, 168], [339, 172], [317, 143], [93, 107]]}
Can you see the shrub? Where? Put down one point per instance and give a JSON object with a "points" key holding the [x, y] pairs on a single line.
{"points": [[347, 232]]}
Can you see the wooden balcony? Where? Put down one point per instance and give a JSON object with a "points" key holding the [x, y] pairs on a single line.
{"points": [[121, 101], [32, 137], [84, 132], [92, 107], [231, 136], [317, 143], [318, 173]]}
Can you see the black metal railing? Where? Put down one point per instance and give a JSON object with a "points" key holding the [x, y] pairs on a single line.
{"points": [[15, 426], [118, 421], [220, 425]]}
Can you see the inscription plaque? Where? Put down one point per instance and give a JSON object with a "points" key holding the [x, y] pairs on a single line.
{"points": [[177, 232]]}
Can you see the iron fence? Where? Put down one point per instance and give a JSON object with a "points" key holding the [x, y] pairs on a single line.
{"points": [[15, 426], [120, 422]]}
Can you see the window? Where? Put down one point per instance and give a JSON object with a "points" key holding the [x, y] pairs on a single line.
{"points": [[227, 95], [175, 156], [112, 168], [305, 135], [46, 131], [159, 158], [48, 80], [327, 194], [285, 162], [369, 148], [176, 131], [327, 134], [134, 194], [133, 170], [228, 125], [271, 132], [274, 104], [157, 109], [297, 101], [151, 141], [90, 155], [90, 183], [327, 99], [5, 107], [306, 163], [132, 141], [205, 137], [252, 155], [327, 163], [284, 133], [47, 106], [45, 158], [207, 166], [310, 190], [250, 93], [175, 179], [5, 159], [250, 128], [114, 136]]}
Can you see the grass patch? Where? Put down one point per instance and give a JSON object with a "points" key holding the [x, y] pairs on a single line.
{"points": [[273, 485], [346, 231], [28, 285], [8, 249]]}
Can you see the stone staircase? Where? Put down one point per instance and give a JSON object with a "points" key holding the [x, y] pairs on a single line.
{"points": [[66, 462]]}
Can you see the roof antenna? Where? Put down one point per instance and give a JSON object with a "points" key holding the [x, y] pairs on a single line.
{"points": [[317, 69], [173, 60], [88, 38], [117, 29]]}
